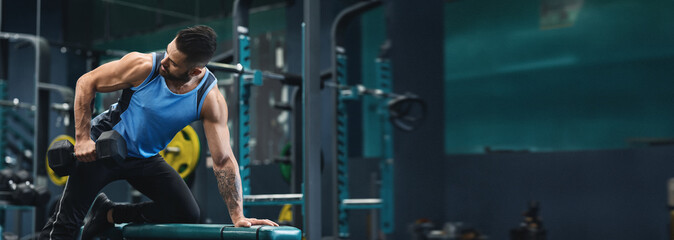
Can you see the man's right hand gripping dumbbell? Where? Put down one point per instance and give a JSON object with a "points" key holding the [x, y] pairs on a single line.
{"points": [[110, 147]]}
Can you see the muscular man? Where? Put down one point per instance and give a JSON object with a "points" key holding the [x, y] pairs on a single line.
{"points": [[162, 93]]}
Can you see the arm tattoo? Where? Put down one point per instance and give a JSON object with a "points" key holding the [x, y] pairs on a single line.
{"points": [[230, 189]]}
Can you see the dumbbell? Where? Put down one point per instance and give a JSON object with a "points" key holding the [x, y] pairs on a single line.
{"points": [[110, 148], [26, 193], [16, 188], [8, 174]]}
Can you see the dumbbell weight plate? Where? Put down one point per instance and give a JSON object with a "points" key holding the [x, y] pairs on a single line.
{"points": [[56, 179], [286, 168]]}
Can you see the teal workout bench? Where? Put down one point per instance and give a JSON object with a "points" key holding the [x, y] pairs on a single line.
{"points": [[201, 231]]}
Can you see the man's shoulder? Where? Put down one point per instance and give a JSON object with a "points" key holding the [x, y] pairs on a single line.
{"points": [[138, 59], [137, 66], [141, 62], [213, 94], [214, 104]]}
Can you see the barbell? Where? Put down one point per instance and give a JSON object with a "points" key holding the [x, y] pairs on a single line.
{"points": [[406, 111]]}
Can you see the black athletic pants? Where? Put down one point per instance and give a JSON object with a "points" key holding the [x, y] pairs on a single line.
{"points": [[172, 201]]}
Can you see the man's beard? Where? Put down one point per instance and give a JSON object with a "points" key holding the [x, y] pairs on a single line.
{"points": [[183, 78]]}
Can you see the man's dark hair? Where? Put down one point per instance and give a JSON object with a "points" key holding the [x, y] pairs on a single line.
{"points": [[198, 43]]}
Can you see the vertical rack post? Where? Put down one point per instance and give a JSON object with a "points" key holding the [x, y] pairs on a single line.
{"points": [[312, 122], [244, 114], [241, 48], [342, 148]]}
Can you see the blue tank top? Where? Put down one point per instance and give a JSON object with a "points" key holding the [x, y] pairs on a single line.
{"points": [[150, 115]]}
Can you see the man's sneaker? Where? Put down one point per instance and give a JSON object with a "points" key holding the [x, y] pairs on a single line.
{"points": [[96, 221]]}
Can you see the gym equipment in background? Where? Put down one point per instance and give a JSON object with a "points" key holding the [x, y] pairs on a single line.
{"points": [[531, 228]]}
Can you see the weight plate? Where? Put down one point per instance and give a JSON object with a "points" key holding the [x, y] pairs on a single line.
{"points": [[182, 153]]}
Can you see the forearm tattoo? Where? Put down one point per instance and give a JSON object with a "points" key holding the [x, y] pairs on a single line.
{"points": [[230, 189]]}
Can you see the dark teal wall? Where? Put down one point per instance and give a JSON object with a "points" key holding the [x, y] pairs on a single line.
{"points": [[596, 84]]}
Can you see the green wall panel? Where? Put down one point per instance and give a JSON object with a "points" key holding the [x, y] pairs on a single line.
{"points": [[511, 84], [260, 22], [158, 40]]}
